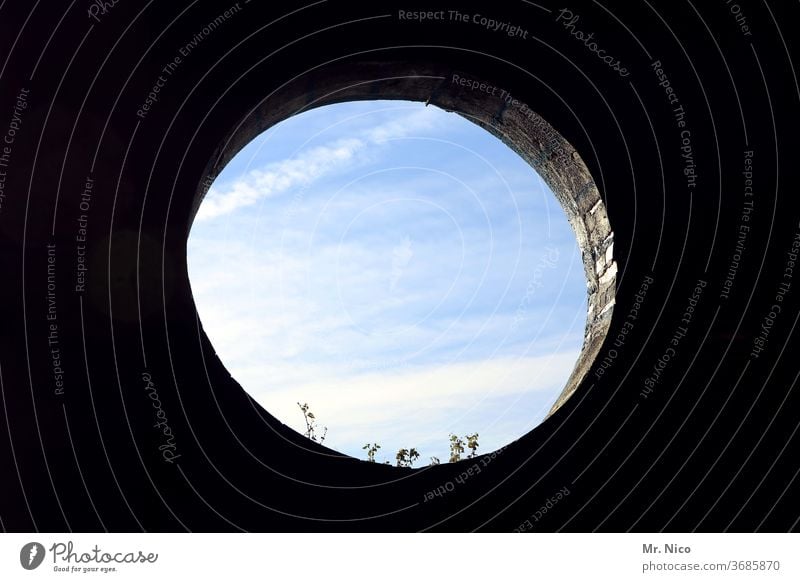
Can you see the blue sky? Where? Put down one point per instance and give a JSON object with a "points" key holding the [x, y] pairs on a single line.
{"points": [[396, 267]]}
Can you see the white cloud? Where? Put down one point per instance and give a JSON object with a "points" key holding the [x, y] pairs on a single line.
{"points": [[411, 406], [279, 177], [296, 343], [310, 165]]}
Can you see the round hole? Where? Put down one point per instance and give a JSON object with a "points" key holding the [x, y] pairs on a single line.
{"points": [[399, 270]]}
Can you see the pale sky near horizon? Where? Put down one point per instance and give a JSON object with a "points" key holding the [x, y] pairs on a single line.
{"points": [[398, 268]]}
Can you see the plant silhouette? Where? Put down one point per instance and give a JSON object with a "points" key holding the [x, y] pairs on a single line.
{"points": [[404, 457]]}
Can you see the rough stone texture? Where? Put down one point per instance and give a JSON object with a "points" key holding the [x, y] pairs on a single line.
{"points": [[524, 131]]}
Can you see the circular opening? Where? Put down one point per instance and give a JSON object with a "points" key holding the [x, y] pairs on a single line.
{"points": [[388, 273]]}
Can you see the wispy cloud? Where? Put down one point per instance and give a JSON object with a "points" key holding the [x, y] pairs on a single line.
{"points": [[310, 165], [409, 406]]}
